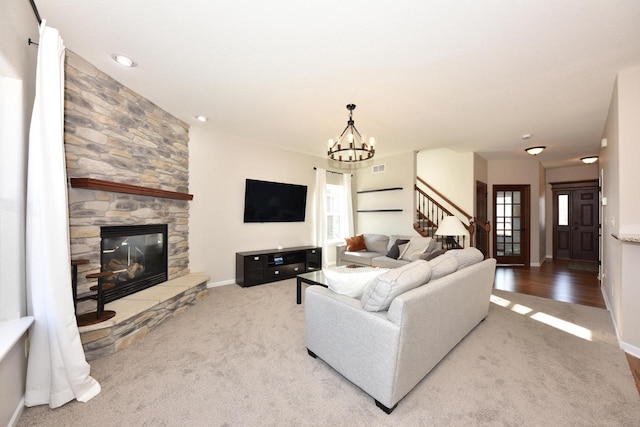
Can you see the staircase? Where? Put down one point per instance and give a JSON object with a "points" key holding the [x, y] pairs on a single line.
{"points": [[430, 212]]}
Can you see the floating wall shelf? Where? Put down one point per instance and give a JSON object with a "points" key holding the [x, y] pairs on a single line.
{"points": [[380, 210], [380, 189], [98, 184]]}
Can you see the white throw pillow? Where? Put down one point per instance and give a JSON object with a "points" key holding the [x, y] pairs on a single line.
{"points": [[385, 287], [417, 245], [350, 281]]}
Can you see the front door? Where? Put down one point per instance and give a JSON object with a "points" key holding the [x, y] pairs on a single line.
{"points": [[576, 222], [511, 220]]}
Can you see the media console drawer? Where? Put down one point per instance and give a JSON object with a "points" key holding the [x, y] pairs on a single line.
{"points": [[258, 267], [284, 271]]}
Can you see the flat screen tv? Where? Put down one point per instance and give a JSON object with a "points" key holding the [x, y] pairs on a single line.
{"points": [[266, 201]]}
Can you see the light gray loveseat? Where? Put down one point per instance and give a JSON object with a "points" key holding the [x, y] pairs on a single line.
{"points": [[378, 246], [388, 352]]}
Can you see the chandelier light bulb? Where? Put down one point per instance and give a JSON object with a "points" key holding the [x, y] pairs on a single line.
{"points": [[372, 141]]}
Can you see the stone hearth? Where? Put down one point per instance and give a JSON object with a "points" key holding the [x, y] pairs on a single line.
{"points": [[138, 313]]}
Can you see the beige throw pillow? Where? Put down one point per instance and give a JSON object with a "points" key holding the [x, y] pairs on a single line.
{"points": [[416, 246]]}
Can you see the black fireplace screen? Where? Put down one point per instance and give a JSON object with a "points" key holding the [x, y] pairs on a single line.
{"points": [[137, 256]]}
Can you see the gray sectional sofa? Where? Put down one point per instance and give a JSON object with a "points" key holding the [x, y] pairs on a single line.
{"points": [[406, 321], [377, 248]]}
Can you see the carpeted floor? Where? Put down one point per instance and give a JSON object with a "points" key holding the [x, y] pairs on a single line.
{"points": [[237, 358]]}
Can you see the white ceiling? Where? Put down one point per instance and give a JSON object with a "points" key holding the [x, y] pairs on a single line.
{"points": [[471, 75]]}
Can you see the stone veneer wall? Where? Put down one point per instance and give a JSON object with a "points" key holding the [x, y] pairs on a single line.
{"points": [[114, 134]]}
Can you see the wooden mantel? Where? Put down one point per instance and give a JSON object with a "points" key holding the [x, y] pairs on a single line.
{"points": [[98, 184]]}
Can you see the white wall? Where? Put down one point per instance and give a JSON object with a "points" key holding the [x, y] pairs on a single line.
{"points": [[218, 167], [451, 173], [400, 171], [565, 174], [621, 215], [17, 72], [521, 172]]}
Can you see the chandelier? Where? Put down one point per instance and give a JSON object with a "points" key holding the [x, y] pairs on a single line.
{"points": [[350, 146]]}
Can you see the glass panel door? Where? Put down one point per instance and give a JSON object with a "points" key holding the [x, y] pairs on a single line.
{"points": [[510, 237]]}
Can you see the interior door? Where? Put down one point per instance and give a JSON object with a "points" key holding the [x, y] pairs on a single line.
{"points": [[511, 220], [576, 222], [481, 214]]}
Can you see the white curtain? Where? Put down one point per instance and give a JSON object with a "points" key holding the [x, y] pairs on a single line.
{"points": [[320, 216], [347, 216], [57, 370]]}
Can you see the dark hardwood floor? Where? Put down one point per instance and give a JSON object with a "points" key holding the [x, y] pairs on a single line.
{"points": [[555, 280]]}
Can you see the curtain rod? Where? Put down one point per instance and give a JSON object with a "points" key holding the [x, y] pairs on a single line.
{"points": [[35, 11], [337, 173]]}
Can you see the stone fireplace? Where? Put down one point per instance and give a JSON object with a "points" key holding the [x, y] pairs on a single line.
{"points": [[128, 167], [115, 136]]}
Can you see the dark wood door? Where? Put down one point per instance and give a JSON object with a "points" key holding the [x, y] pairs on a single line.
{"points": [[562, 224], [576, 222], [481, 215], [584, 230], [511, 224]]}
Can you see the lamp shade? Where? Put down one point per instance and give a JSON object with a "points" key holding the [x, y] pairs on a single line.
{"points": [[451, 226]]}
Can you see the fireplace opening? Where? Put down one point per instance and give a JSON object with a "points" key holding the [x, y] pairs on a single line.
{"points": [[137, 256]]}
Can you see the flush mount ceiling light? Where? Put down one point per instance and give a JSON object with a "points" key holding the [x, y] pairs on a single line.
{"points": [[350, 146], [534, 151], [589, 159], [202, 118], [124, 60]]}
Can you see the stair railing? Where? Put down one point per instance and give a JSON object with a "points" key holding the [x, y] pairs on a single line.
{"points": [[430, 212]]}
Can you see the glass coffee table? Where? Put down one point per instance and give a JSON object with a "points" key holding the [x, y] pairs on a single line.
{"points": [[311, 278]]}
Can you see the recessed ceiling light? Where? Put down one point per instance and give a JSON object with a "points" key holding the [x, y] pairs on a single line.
{"points": [[526, 136], [589, 159], [534, 151], [202, 118], [123, 60]]}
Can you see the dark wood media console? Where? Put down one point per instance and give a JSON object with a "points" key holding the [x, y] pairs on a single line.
{"points": [[258, 267]]}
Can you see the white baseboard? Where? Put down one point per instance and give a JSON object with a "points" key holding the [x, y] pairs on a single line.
{"points": [[626, 347], [607, 303], [16, 414], [222, 283], [632, 350]]}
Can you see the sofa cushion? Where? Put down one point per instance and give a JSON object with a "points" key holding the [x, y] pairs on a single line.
{"points": [[360, 257], [385, 287], [394, 252], [417, 245], [443, 265], [467, 256], [376, 242], [355, 243], [350, 281]]}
